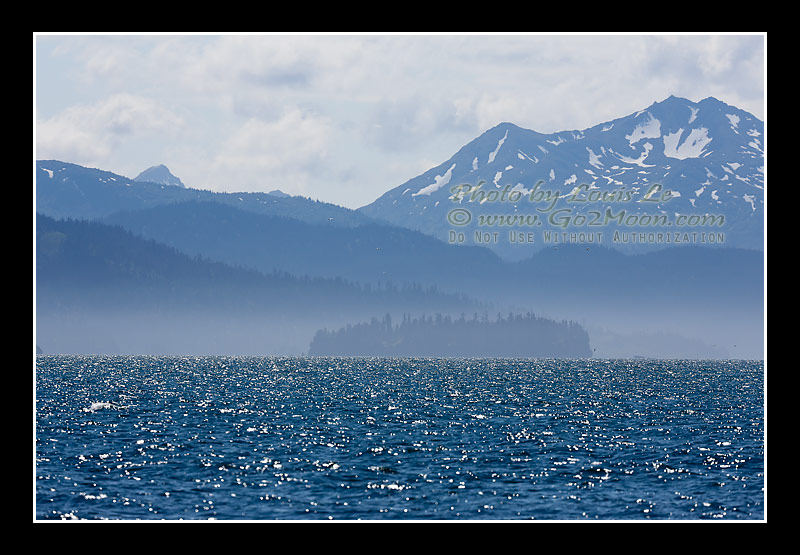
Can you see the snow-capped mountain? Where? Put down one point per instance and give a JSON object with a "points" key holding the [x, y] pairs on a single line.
{"points": [[677, 171], [159, 174]]}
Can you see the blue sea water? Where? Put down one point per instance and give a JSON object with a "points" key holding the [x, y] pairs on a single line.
{"points": [[242, 438]]}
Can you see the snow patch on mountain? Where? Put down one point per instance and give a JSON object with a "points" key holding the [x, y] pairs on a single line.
{"points": [[594, 159], [650, 129], [520, 188], [756, 144], [492, 155], [642, 157], [692, 147], [438, 182]]}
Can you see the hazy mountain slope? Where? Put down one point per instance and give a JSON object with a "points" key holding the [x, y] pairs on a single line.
{"points": [[369, 253], [706, 293], [101, 289], [374, 253]]}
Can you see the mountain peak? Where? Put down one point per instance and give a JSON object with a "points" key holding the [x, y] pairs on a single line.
{"points": [[159, 174], [506, 125], [675, 99], [719, 104]]}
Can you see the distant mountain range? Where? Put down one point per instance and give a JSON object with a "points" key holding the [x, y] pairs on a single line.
{"points": [[708, 154], [393, 256], [66, 190]]}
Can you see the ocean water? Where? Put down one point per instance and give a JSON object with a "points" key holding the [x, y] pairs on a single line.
{"points": [[240, 438]]}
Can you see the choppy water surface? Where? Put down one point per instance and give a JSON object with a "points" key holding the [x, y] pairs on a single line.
{"points": [[400, 439]]}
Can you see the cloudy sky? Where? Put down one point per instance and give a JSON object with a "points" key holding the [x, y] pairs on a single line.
{"points": [[344, 118]]}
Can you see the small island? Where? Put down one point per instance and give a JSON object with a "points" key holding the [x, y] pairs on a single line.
{"points": [[517, 336]]}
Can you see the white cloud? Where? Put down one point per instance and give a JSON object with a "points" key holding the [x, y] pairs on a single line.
{"points": [[288, 154], [91, 132]]}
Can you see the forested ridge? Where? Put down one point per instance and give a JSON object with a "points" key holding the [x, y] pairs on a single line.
{"points": [[517, 335], [85, 260]]}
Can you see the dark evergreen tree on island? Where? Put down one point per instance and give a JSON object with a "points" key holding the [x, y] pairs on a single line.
{"points": [[441, 336]]}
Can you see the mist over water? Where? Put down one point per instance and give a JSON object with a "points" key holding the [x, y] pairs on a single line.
{"points": [[288, 438]]}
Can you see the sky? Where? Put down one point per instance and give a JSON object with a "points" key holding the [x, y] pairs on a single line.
{"points": [[343, 118]]}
